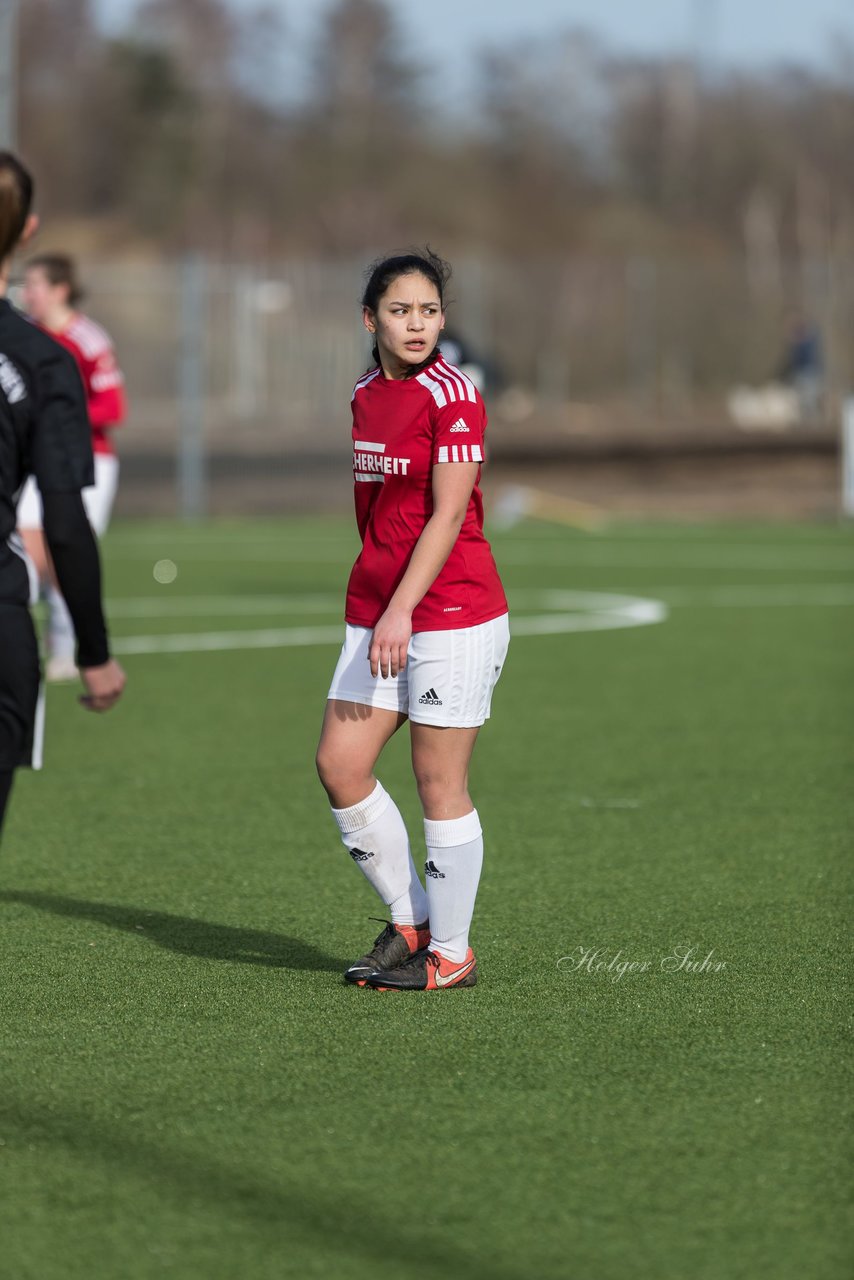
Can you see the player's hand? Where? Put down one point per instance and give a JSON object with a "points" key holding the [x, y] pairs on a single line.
{"points": [[390, 642], [103, 685]]}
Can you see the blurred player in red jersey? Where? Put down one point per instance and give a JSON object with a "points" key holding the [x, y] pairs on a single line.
{"points": [[427, 632], [51, 297]]}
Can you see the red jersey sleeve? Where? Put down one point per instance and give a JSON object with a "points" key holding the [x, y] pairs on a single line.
{"points": [[105, 391], [458, 432]]}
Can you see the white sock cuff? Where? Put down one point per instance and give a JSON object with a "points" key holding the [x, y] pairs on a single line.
{"points": [[443, 835], [364, 813]]}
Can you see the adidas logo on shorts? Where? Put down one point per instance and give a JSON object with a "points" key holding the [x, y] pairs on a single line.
{"points": [[431, 869], [459, 425], [430, 699]]}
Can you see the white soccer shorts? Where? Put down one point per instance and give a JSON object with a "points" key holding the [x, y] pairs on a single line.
{"points": [[447, 681], [98, 500]]}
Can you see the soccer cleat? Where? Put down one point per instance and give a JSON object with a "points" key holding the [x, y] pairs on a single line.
{"points": [[394, 945], [426, 971]]}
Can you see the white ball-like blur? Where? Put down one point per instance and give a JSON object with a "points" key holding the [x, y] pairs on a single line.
{"points": [[165, 571]]}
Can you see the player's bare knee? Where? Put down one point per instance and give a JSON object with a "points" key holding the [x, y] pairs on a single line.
{"points": [[436, 788], [337, 773], [327, 764]]}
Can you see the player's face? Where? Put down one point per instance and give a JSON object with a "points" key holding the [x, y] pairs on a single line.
{"points": [[407, 323], [41, 298]]}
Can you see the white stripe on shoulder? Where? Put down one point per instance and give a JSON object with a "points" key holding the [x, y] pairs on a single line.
{"points": [[363, 382], [436, 389], [92, 340], [471, 392], [453, 390], [451, 376]]}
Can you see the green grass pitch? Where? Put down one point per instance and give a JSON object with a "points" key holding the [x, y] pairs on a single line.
{"points": [[188, 1088]]}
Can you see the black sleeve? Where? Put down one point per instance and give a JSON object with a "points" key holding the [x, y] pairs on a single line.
{"points": [[78, 570], [61, 437]]}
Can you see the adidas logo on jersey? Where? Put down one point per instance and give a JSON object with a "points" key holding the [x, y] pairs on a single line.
{"points": [[459, 425], [430, 698], [430, 869]]}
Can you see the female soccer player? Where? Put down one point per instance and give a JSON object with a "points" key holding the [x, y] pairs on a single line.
{"points": [[51, 297], [44, 430], [426, 632]]}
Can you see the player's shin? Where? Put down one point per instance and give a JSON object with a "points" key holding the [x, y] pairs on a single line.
{"points": [[454, 860], [375, 834]]}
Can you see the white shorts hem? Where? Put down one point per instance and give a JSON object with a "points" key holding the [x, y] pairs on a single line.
{"points": [[447, 682], [362, 701], [466, 724]]}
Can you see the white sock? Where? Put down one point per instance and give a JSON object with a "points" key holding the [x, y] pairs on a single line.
{"points": [[61, 640], [375, 833], [454, 859]]}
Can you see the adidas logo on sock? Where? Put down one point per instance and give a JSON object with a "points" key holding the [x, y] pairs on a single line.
{"points": [[431, 698], [359, 855], [459, 425], [430, 869]]}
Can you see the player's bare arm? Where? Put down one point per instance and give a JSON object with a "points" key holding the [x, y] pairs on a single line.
{"points": [[452, 488]]}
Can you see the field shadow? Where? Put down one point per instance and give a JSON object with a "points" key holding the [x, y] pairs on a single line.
{"points": [[307, 1210], [200, 938]]}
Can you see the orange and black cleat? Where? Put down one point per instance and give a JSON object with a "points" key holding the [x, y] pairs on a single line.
{"points": [[427, 971]]}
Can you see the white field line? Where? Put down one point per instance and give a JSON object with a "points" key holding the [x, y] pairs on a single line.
{"points": [[809, 595], [762, 595], [592, 611], [567, 612], [747, 596], [219, 641]]}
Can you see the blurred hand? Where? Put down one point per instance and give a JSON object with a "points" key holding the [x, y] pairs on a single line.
{"points": [[390, 643], [103, 685]]}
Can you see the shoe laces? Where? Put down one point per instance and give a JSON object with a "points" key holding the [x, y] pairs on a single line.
{"points": [[387, 934]]}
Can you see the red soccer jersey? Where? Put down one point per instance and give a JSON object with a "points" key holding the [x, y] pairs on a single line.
{"points": [[401, 430], [102, 377]]}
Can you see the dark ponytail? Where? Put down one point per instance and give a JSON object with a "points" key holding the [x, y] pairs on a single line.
{"points": [[16, 197], [383, 273]]}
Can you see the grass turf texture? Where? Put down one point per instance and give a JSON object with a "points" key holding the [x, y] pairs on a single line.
{"points": [[189, 1090]]}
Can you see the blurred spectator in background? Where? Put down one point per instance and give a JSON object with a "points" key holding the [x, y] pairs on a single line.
{"points": [[802, 368], [51, 296], [457, 351]]}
